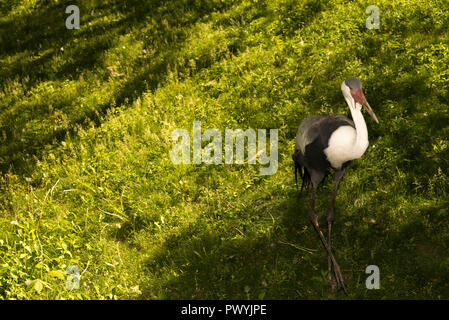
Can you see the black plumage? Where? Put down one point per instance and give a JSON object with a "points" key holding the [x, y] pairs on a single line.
{"points": [[318, 130]]}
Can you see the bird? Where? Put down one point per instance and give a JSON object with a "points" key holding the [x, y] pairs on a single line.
{"points": [[324, 142]]}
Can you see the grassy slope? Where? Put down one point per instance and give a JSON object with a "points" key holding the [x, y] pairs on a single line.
{"points": [[86, 174]]}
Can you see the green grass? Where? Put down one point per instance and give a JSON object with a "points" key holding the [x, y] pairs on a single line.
{"points": [[86, 178]]}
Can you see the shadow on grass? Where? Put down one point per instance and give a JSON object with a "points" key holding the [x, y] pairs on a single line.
{"points": [[213, 259], [228, 261], [35, 39]]}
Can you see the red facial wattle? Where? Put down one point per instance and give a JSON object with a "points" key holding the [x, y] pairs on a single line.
{"points": [[359, 97]]}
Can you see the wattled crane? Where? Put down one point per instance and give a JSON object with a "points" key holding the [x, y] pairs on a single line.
{"points": [[332, 141]]}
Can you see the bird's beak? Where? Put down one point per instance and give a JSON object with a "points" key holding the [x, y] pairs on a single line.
{"points": [[360, 98]]}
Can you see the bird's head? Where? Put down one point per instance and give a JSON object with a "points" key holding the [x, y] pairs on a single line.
{"points": [[353, 93]]}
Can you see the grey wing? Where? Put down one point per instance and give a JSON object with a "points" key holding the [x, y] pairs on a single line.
{"points": [[342, 120], [311, 128], [307, 132]]}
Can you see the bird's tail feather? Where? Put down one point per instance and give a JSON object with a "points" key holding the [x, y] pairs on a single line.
{"points": [[303, 173]]}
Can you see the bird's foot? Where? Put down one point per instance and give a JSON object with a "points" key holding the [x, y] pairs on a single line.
{"points": [[339, 283], [331, 282], [339, 278]]}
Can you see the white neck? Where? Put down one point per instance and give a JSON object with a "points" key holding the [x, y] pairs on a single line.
{"points": [[361, 141]]}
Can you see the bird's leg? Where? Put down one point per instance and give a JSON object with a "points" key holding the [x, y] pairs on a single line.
{"points": [[330, 219], [314, 219], [331, 282]]}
